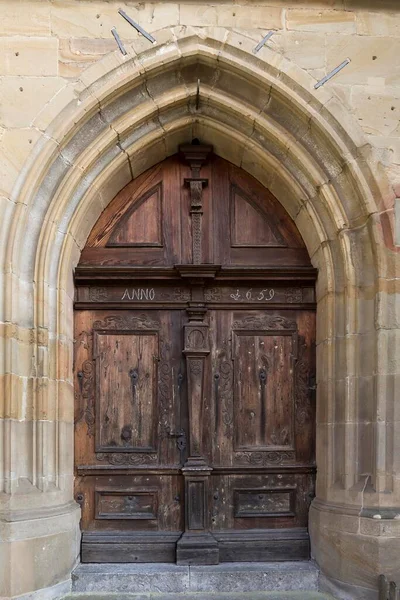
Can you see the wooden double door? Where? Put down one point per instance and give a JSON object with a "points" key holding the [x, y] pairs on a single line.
{"points": [[194, 379]]}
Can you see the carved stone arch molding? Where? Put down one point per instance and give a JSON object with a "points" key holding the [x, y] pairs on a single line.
{"points": [[262, 113]]}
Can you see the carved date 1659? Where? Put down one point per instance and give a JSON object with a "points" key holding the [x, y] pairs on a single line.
{"points": [[250, 295]]}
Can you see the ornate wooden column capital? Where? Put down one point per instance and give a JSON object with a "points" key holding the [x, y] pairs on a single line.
{"points": [[196, 155]]}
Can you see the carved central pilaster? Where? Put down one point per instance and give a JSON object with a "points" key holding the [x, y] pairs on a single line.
{"points": [[196, 350], [196, 156], [196, 213], [197, 541]]}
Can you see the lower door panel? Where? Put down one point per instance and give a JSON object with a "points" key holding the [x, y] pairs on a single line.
{"points": [[129, 546]]}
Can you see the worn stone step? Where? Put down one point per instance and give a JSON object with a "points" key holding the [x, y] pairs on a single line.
{"points": [[304, 595], [225, 578]]}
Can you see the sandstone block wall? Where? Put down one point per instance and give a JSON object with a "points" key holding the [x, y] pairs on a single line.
{"points": [[46, 43], [71, 137]]}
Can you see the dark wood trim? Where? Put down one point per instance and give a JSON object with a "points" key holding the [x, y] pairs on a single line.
{"points": [[199, 271], [172, 470], [129, 547], [110, 275], [241, 193], [87, 274], [112, 244], [234, 273], [126, 470], [181, 305], [249, 545], [195, 154], [252, 545]]}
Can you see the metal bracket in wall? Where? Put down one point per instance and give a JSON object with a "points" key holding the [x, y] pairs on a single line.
{"points": [[118, 40], [263, 41], [136, 26], [332, 73]]}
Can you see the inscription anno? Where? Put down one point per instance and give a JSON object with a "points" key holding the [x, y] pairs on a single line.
{"points": [[139, 294]]}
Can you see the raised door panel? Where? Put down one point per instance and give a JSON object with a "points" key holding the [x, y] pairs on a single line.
{"points": [[126, 395], [250, 226], [262, 405], [142, 224], [263, 389], [261, 232], [127, 369], [254, 500]]}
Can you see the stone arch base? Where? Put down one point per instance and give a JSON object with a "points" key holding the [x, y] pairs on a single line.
{"points": [[260, 112]]}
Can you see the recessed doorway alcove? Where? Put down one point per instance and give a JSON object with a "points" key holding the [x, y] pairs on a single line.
{"points": [[194, 371]]}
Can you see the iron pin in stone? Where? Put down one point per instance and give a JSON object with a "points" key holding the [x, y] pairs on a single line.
{"points": [[118, 40], [136, 26], [332, 73], [263, 42]]}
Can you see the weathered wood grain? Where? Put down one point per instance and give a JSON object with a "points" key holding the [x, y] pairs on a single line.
{"points": [[194, 384]]}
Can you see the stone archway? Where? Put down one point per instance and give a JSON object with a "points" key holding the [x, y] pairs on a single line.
{"points": [[261, 113]]}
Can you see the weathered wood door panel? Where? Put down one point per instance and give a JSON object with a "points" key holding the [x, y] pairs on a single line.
{"points": [[194, 371], [128, 367], [263, 414], [126, 378]]}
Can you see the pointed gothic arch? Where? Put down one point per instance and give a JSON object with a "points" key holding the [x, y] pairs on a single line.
{"points": [[261, 113]]}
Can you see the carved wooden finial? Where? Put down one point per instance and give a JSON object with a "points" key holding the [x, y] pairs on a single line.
{"points": [[196, 155]]}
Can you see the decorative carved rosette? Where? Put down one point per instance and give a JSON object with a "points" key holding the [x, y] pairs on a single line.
{"points": [[98, 294], [178, 294], [195, 366], [294, 295], [212, 294]]}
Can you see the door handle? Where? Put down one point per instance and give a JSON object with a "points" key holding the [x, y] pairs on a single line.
{"points": [[180, 436], [181, 441]]}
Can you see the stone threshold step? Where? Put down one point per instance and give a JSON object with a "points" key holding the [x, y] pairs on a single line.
{"points": [[303, 595], [162, 578]]}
